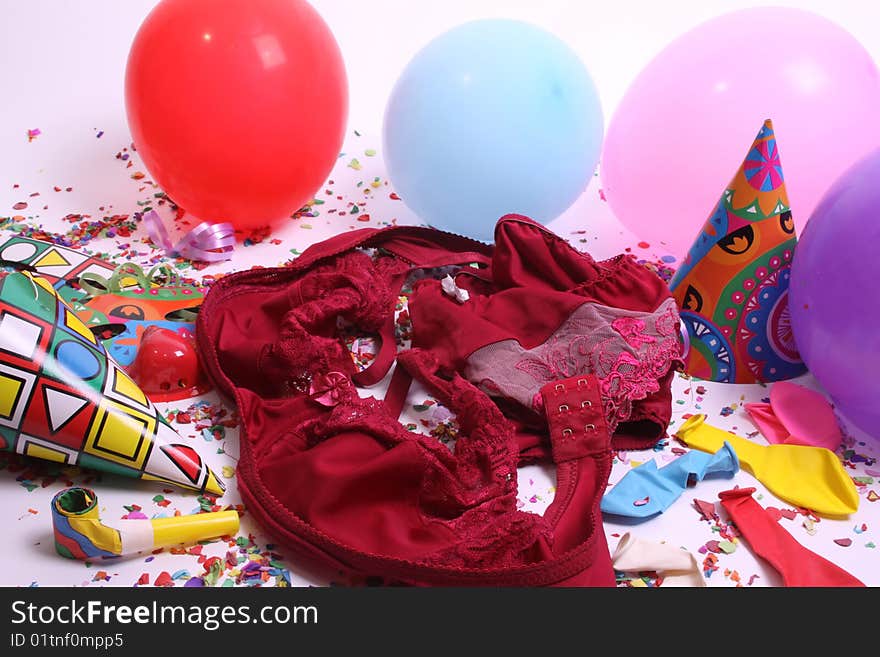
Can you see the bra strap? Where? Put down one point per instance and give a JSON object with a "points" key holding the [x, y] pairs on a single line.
{"points": [[580, 443]]}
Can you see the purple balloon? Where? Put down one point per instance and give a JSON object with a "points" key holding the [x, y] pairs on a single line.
{"points": [[835, 294]]}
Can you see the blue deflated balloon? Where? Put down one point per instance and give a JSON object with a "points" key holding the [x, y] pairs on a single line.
{"points": [[493, 117], [646, 490]]}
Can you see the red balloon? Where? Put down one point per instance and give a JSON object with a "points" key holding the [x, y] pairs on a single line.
{"points": [[238, 108]]}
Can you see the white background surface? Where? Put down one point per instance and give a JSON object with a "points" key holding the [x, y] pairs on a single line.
{"points": [[61, 70]]}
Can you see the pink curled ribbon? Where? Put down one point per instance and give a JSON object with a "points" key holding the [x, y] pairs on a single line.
{"points": [[205, 243], [329, 389]]}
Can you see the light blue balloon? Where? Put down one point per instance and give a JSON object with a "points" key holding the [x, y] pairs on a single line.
{"points": [[490, 118]]}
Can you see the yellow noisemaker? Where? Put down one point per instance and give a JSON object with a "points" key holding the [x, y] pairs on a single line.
{"points": [[80, 534]]}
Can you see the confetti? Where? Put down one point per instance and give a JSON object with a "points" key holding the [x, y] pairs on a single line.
{"points": [[843, 542], [710, 565], [163, 579], [706, 509], [659, 267], [773, 512]]}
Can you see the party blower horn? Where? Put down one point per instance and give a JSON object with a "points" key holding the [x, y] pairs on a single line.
{"points": [[732, 288], [80, 534], [64, 399]]}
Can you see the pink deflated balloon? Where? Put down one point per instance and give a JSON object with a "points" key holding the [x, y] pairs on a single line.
{"points": [[677, 136], [796, 415]]}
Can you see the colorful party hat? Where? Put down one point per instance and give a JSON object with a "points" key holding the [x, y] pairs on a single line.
{"points": [[732, 288], [62, 398]]}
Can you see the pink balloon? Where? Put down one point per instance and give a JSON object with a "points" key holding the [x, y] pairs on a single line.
{"points": [[687, 121]]}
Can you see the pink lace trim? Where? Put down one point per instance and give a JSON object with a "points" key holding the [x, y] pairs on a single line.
{"points": [[350, 289], [629, 352]]}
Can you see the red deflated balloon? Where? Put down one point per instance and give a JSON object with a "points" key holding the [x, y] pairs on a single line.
{"points": [[238, 108]]}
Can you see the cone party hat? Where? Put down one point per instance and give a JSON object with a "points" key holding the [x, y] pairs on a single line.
{"points": [[62, 398], [732, 288]]}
